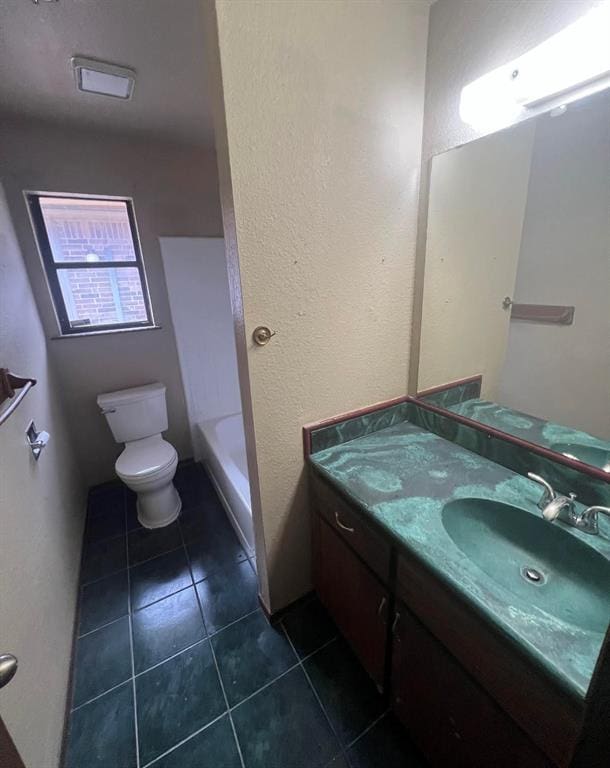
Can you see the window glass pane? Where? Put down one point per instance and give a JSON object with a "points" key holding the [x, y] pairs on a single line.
{"points": [[87, 230], [102, 296]]}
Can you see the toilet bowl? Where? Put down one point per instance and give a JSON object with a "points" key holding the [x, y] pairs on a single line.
{"points": [[147, 465]]}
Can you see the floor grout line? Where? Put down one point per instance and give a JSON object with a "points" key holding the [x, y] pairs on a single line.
{"points": [[159, 599], [154, 557], [222, 687], [188, 738], [131, 565], [105, 576], [231, 623], [299, 661], [133, 667], [103, 626], [268, 684], [368, 728], [291, 668], [99, 695], [173, 656], [315, 693]]}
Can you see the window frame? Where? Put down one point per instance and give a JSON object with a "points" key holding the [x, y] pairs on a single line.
{"points": [[52, 267]]}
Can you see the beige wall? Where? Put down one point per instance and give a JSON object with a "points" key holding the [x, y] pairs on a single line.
{"points": [[175, 192], [565, 259], [478, 194], [323, 110], [41, 519], [467, 39]]}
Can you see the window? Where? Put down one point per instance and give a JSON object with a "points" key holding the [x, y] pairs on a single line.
{"points": [[91, 254]]}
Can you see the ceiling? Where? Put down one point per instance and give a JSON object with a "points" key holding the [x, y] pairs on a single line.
{"points": [[161, 39]]}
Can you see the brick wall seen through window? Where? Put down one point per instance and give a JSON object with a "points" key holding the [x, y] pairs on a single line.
{"points": [[81, 233]]}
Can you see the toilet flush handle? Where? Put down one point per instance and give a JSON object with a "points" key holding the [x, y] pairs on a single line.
{"points": [[108, 410]]}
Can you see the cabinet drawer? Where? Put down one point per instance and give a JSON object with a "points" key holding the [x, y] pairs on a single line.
{"points": [[452, 720], [351, 527]]}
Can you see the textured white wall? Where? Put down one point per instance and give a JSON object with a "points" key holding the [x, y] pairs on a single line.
{"points": [[323, 109], [198, 289], [175, 192], [41, 521], [565, 259], [478, 194]]}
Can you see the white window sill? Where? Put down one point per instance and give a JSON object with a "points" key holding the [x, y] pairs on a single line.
{"points": [[106, 333]]}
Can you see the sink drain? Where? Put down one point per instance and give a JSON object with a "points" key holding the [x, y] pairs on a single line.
{"points": [[533, 575]]}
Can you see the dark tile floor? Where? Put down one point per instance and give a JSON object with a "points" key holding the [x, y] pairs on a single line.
{"points": [[176, 666]]}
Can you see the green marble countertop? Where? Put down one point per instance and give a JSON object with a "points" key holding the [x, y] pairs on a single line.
{"points": [[403, 476]]}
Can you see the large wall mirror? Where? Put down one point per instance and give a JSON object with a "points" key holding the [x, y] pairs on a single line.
{"points": [[515, 325]]}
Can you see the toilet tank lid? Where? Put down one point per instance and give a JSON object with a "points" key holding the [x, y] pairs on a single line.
{"points": [[132, 395]]}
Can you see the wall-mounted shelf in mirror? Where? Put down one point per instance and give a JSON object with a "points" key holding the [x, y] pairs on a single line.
{"points": [[524, 213]]}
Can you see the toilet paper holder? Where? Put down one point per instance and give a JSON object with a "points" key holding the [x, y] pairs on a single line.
{"points": [[36, 440]]}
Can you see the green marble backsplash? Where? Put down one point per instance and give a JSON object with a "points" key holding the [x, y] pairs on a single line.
{"points": [[454, 394], [359, 426]]}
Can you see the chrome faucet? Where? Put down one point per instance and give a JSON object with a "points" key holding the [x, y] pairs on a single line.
{"points": [[552, 505], [562, 508], [589, 519]]}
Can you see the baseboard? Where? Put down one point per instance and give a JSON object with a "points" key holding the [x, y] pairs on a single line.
{"points": [[63, 754], [276, 616]]}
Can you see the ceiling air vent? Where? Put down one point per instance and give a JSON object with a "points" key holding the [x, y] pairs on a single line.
{"points": [[102, 78]]}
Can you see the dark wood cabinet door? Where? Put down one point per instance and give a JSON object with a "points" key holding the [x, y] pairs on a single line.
{"points": [[354, 597], [452, 720]]}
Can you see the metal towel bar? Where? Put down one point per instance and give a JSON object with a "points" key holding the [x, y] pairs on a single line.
{"points": [[542, 313], [9, 382]]}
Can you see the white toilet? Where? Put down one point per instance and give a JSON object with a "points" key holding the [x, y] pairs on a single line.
{"points": [[147, 465]]}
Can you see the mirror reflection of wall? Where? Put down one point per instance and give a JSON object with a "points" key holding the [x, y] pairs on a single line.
{"points": [[525, 214]]}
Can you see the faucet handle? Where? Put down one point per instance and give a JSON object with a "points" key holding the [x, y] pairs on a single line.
{"points": [[548, 495], [587, 521]]}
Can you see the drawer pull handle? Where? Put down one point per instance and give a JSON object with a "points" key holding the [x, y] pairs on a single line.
{"points": [[395, 622], [381, 606], [341, 525]]}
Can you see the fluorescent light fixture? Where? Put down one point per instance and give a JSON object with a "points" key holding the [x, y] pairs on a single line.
{"points": [[568, 66], [102, 78]]}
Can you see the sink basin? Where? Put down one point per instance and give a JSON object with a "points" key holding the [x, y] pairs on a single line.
{"points": [[590, 454], [537, 561]]}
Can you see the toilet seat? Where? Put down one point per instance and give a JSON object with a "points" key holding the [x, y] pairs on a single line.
{"points": [[146, 459]]}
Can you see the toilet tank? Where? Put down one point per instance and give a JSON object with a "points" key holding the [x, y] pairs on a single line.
{"points": [[135, 413]]}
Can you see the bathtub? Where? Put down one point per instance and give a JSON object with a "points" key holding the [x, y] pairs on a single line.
{"points": [[222, 448]]}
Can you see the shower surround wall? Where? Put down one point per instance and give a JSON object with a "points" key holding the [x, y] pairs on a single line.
{"points": [[198, 291], [200, 302]]}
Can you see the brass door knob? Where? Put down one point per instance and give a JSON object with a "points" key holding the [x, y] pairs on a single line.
{"points": [[261, 335], [8, 667]]}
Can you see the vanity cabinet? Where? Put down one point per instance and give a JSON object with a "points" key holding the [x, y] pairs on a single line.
{"points": [[451, 719], [354, 597], [467, 696]]}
